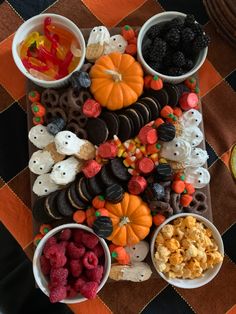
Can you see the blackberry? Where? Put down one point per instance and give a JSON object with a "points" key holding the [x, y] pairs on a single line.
{"points": [[187, 35], [189, 20], [155, 65], [146, 48], [158, 50], [178, 59], [200, 42], [174, 71], [175, 23], [154, 31], [187, 50], [173, 37], [197, 29], [167, 60], [188, 64]]}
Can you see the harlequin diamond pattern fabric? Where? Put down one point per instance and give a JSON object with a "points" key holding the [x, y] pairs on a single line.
{"points": [[217, 82]]}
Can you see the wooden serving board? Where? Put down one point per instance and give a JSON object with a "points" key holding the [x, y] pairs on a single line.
{"points": [[32, 148]]}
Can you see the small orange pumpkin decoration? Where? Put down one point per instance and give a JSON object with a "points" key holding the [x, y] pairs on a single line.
{"points": [[131, 219], [116, 80]]}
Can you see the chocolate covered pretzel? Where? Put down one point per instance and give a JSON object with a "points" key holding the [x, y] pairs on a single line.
{"points": [[73, 127], [198, 204], [50, 98], [53, 113]]}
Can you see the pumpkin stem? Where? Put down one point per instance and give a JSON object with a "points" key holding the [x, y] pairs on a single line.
{"points": [[116, 76], [124, 221]]}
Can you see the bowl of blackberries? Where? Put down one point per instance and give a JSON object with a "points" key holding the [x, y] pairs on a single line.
{"points": [[172, 45]]}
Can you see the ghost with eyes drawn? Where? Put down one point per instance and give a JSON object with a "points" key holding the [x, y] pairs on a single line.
{"points": [[98, 38], [193, 135], [197, 158], [41, 162], [44, 185], [198, 177], [138, 252], [39, 136], [117, 43], [191, 118], [176, 150]]}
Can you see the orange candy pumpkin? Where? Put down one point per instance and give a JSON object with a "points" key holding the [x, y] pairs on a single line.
{"points": [[116, 80], [131, 219], [156, 83]]}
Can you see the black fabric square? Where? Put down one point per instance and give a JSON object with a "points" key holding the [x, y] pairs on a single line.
{"points": [[194, 7], [13, 142], [231, 79], [212, 155], [29, 8], [168, 302], [229, 239]]}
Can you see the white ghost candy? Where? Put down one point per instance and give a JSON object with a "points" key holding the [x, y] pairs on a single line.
{"points": [[41, 162], [191, 118], [193, 135], [138, 252], [136, 272], [116, 43], [65, 171], [68, 143], [99, 35], [44, 185], [176, 150], [197, 158], [39, 136], [198, 177]]}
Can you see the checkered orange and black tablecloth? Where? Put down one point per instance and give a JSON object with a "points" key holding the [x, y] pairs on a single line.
{"points": [[217, 83]]}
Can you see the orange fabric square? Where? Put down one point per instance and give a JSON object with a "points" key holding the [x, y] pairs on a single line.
{"points": [[232, 310], [226, 158], [111, 12], [15, 216], [10, 77], [90, 307], [208, 77]]}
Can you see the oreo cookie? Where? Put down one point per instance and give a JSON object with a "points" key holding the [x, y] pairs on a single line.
{"points": [[74, 199], [143, 111], [134, 117], [51, 207], [114, 193], [97, 131], [166, 132], [107, 177], [63, 205], [119, 170], [153, 107], [173, 94], [160, 95], [125, 128], [95, 185], [82, 190], [112, 122], [164, 172], [39, 213]]}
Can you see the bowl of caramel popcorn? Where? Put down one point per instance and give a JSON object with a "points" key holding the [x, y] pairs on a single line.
{"points": [[187, 250]]}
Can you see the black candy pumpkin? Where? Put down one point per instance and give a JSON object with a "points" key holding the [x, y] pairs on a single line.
{"points": [[102, 226], [166, 132]]}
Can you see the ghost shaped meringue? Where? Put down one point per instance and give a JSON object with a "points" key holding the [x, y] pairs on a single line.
{"points": [[193, 135], [137, 272], [39, 136], [198, 177], [65, 171], [190, 118], [44, 185], [99, 35], [176, 150], [117, 43], [197, 158], [41, 162], [138, 252]]}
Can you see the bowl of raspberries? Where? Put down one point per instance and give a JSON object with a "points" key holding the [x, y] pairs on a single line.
{"points": [[172, 45], [71, 263]]}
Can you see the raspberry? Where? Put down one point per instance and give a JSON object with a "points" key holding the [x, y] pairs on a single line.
{"points": [[56, 256], [89, 289], [51, 241], [79, 283], [75, 251], [71, 292], [65, 235], [89, 240], [45, 265], [64, 245], [98, 250], [95, 274], [90, 260], [76, 267], [57, 294], [77, 235], [58, 277]]}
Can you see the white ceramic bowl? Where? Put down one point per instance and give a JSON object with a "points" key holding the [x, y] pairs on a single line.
{"points": [[156, 19], [41, 280], [36, 24], [208, 274]]}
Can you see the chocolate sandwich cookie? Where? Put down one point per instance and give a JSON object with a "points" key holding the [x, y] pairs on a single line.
{"points": [[63, 205], [160, 95], [114, 193], [119, 170], [153, 107], [39, 213], [112, 122], [97, 131], [73, 127], [166, 132], [173, 95], [134, 117], [107, 177], [82, 190], [125, 128], [143, 111], [74, 199], [164, 172], [95, 185], [50, 98], [51, 207]]}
